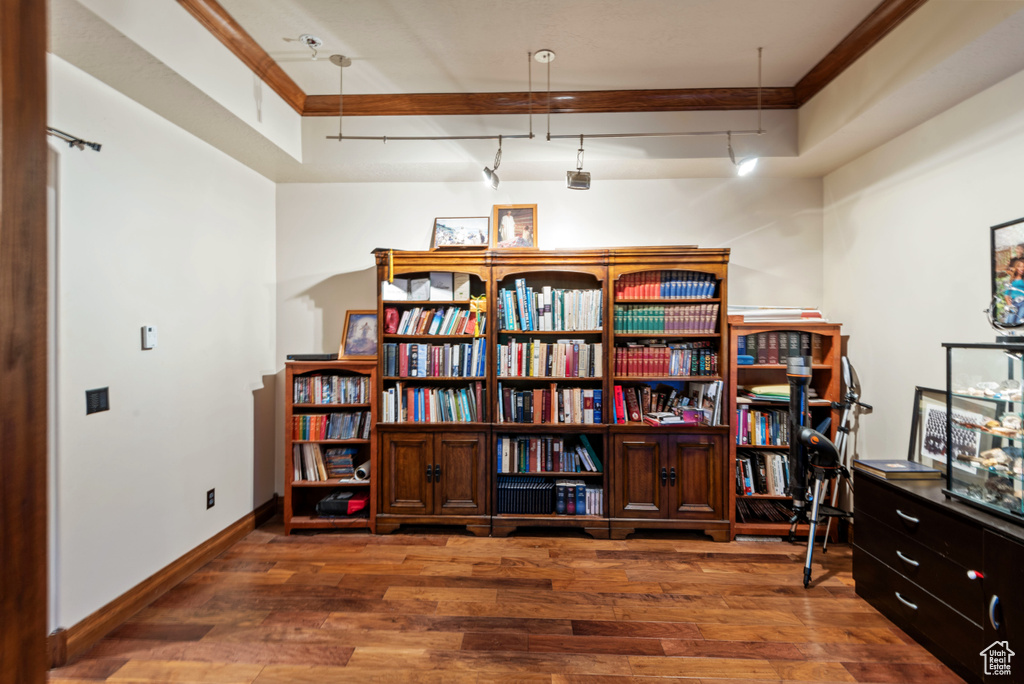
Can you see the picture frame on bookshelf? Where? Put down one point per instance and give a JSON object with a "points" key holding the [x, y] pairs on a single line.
{"points": [[1008, 274], [928, 426], [359, 339], [515, 226], [461, 232]]}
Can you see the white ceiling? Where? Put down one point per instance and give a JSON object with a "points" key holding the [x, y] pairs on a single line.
{"points": [[944, 53], [432, 46]]}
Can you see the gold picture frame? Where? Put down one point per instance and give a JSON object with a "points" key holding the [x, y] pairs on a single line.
{"points": [[519, 230], [359, 340]]}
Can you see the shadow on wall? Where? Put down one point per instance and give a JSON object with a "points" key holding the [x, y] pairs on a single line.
{"points": [[264, 438], [340, 293]]}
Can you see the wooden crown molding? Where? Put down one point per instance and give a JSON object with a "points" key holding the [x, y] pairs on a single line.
{"points": [[565, 102], [883, 19], [222, 25]]}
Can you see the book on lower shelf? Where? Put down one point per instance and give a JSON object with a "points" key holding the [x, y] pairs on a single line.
{"points": [[764, 473], [545, 454], [694, 403], [897, 469], [533, 496], [551, 404], [338, 425]]}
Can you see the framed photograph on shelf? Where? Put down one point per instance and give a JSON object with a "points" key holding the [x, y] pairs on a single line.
{"points": [[359, 341], [928, 427], [1008, 274], [461, 232], [515, 226]]}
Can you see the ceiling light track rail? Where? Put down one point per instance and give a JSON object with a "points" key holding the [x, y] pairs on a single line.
{"points": [[73, 140], [386, 138]]}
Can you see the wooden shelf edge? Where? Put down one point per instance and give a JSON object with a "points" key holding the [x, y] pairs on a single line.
{"points": [[307, 522], [309, 484], [330, 441]]}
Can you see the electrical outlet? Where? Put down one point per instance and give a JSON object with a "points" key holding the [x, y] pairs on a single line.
{"points": [[210, 498]]}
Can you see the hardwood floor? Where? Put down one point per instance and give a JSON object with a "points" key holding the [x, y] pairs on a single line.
{"points": [[451, 608]]}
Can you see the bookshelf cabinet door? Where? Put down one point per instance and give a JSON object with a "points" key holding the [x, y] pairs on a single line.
{"points": [[639, 492], [695, 477], [405, 457], [1004, 601], [461, 487]]}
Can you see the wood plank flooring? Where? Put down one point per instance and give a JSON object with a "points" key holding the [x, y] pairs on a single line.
{"points": [[437, 607]]}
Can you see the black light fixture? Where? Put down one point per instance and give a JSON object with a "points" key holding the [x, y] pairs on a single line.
{"points": [[578, 179], [491, 175]]}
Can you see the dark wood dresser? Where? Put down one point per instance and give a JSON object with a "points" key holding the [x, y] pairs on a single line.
{"points": [[913, 554]]}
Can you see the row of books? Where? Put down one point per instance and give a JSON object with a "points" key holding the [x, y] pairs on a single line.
{"points": [[763, 510], [762, 426], [533, 496], [341, 425], [313, 464], [570, 405], [331, 389], [445, 320], [459, 360], [523, 308], [439, 286], [546, 454], [661, 359], [403, 404], [561, 359], [666, 318], [701, 403], [665, 285], [777, 346], [762, 473]]}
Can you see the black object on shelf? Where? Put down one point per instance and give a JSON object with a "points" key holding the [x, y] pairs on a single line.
{"points": [[312, 357]]}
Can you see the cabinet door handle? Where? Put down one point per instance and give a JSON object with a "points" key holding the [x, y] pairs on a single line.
{"points": [[437, 473], [906, 517], [992, 604], [430, 470], [909, 561], [672, 477], [634, 442], [905, 601], [664, 477]]}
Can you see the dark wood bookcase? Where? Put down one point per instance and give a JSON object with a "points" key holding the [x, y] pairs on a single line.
{"points": [[651, 476], [825, 379], [300, 495]]}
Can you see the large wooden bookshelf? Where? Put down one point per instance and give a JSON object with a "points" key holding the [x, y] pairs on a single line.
{"points": [[650, 476], [301, 494], [826, 381]]}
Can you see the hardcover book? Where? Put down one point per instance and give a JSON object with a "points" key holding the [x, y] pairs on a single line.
{"points": [[898, 470]]}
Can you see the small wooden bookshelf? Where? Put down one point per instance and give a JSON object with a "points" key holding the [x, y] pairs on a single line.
{"points": [[825, 380], [329, 391]]}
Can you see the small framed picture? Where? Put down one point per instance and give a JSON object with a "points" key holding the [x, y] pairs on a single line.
{"points": [[515, 226], [359, 341], [461, 231], [928, 428], [1008, 274]]}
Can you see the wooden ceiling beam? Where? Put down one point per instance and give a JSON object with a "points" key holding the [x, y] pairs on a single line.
{"points": [[883, 19], [888, 15], [224, 28], [566, 102]]}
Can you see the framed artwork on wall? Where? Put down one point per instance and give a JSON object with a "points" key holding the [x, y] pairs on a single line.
{"points": [[359, 341], [928, 427], [1008, 274], [515, 226], [461, 231]]}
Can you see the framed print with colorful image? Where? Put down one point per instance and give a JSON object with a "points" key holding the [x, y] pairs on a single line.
{"points": [[515, 226], [359, 341]]}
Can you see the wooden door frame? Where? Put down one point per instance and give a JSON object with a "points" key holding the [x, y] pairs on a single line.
{"points": [[23, 339]]}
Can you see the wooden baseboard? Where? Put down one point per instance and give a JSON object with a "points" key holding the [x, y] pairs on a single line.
{"points": [[65, 644]]}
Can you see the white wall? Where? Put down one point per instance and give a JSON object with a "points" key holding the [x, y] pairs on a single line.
{"points": [[906, 250], [325, 233], [157, 229]]}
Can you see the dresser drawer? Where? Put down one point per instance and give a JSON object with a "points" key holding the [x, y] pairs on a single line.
{"points": [[946, 633], [947, 535], [934, 573]]}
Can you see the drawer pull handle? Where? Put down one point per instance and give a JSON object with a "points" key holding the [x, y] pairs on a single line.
{"points": [[909, 561], [993, 602], [905, 601], [906, 517]]}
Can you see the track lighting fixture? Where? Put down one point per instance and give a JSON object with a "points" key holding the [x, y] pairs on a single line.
{"points": [[744, 165], [490, 175], [73, 141], [578, 179]]}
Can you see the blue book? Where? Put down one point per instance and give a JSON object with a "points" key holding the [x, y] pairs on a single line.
{"points": [[598, 412], [581, 499], [741, 345]]}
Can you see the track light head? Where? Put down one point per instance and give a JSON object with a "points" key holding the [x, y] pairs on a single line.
{"points": [[491, 178], [577, 180], [745, 166]]}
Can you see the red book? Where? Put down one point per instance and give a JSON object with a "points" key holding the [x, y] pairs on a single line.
{"points": [[620, 405]]}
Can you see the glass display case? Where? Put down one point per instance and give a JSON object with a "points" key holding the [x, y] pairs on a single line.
{"points": [[984, 420]]}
